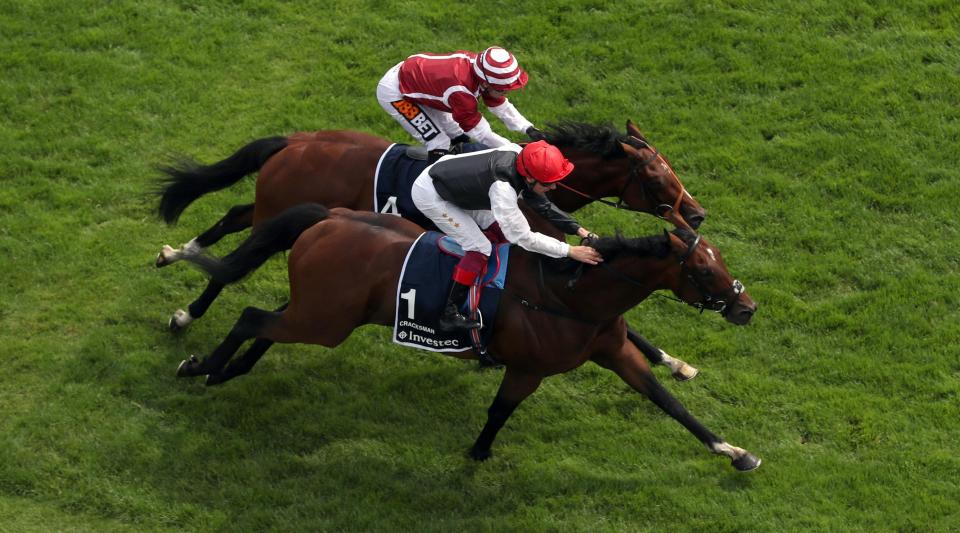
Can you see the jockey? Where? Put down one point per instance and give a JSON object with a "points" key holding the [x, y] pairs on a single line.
{"points": [[463, 193], [434, 97]]}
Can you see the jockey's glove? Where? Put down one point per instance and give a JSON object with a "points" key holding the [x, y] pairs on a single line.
{"points": [[535, 134]]}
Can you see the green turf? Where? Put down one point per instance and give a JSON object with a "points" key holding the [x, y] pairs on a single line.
{"points": [[822, 137]]}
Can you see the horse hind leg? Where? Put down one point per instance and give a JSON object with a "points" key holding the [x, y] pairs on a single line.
{"points": [[239, 366], [252, 323], [238, 218], [181, 319]]}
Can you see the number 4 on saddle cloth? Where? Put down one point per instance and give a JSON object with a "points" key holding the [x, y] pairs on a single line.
{"points": [[424, 284], [394, 178]]}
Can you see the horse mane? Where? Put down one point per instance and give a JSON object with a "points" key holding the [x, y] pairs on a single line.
{"points": [[654, 245], [603, 139]]}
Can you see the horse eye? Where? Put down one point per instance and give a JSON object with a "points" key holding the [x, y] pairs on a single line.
{"points": [[706, 272]]}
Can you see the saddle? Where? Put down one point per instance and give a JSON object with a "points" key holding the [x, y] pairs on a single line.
{"points": [[420, 297]]}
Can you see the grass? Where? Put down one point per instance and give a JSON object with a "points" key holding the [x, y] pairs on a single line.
{"points": [[821, 137]]}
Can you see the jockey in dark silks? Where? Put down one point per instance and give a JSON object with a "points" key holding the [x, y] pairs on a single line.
{"points": [[469, 194]]}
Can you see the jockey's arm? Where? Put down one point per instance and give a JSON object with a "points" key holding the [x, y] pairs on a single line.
{"points": [[503, 204], [545, 208], [468, 116], [509, 114]]}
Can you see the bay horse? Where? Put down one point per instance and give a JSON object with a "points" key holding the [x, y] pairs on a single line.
{"points": [[336, 168], [544, 326]]}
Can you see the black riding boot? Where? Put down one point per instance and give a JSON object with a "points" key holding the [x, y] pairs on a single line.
{"points": [[451, 319]]}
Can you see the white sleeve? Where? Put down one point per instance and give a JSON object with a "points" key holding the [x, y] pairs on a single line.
{"points": [[511, 117], [484, 134], [503, 204]]}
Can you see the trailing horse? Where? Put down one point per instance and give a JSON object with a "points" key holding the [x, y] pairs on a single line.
{"points": [[545, 326]]}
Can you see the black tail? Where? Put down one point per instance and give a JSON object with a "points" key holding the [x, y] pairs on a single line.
{"points": [[189, 180], [274, 235]]}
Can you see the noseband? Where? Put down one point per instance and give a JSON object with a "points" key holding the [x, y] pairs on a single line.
{"points": [[720, 305], [635, 176]]}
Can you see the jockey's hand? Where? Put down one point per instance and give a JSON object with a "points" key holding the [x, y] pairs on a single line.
{"points": [[586, 236], [460, 139], [535, 134], [585, 254]]}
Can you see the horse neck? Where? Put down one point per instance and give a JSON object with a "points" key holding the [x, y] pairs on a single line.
{"points": [[592, 175], [600, 294]]}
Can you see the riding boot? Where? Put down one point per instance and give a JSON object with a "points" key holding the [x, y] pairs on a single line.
{"points": [[434, 155], [452, 319]]}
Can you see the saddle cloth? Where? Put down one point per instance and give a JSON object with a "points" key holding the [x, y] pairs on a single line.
{"points": [[424, 285], [394, 178]]}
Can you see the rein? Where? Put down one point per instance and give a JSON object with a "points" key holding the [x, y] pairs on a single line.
{"points": [[634, 175]]}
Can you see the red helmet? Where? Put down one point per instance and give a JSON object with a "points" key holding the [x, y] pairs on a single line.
{"points": [[543, 162], [500, 69]]}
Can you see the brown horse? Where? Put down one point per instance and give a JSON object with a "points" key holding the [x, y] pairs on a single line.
{"points": [[336, 169], [544, 326]]}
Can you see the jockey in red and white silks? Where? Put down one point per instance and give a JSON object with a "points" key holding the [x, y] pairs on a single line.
{"points": [[434, 97]]}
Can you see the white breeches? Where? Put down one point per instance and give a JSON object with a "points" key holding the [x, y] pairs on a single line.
{"points": [[463, 225]]}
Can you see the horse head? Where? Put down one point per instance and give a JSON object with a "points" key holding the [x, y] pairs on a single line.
{"points": [[654, 184], [609, 163], [704, 281]]}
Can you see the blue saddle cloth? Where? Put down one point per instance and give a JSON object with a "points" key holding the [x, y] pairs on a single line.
{"points": [[424, 285], [394, 178]]}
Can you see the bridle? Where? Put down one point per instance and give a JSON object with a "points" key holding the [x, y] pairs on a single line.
{"points": [[634, 175], [721, 305]]}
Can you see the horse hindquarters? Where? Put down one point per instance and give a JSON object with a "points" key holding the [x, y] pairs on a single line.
{"points": [[343, 274], [335, 172]]}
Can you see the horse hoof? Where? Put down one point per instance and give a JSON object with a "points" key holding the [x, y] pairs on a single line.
{"points": [[179, 321], [163, 258], [746, 462], [188, 367], [686, 373], [480, 455]]}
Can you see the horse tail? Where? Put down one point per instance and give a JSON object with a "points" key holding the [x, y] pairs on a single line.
{"points": [[190, 180], [274, 235]]}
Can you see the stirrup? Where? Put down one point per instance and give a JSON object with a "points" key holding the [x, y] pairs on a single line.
{"points": [[456, 321]]}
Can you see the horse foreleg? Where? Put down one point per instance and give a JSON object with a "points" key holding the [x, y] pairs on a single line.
{"points": [[514, 388], [252, 323], [680, 370], [631, 367], [195, 310], [238, 218]]}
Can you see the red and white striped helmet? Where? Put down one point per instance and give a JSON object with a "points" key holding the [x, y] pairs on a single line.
{"points": [[500, 69]]}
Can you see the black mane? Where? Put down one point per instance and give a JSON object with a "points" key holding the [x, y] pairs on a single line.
{"points": [[655, 245], [601, 139]]}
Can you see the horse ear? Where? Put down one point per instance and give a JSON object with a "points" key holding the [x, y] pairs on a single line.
{"points": [[630, 150], [677, 244], [632, 129]]}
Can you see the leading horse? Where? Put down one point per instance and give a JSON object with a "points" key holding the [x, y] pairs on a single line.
{"points": [[545, 325], [336, 169]]}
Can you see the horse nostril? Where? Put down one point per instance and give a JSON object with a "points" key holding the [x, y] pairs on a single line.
{"points": [[695, 220]]}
